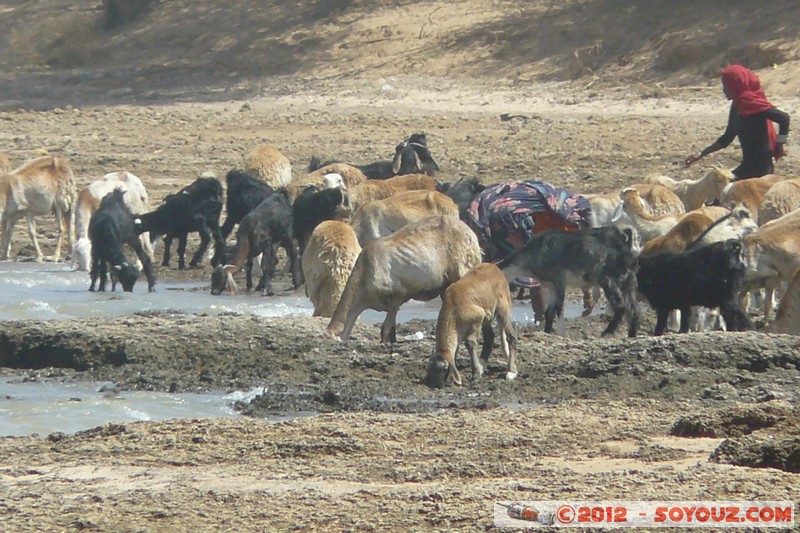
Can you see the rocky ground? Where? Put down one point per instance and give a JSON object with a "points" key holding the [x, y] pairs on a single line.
{"points": [[682, 417]]}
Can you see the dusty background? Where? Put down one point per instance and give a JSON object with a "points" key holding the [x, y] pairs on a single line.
{"points": [[601, 93]]}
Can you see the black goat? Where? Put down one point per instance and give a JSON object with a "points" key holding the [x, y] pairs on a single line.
{"points": [[266, 226], [314, 207], [244, 193], [196, 207], [109, 228], [604, 256], [411, 156], [709, 276], [462, 192]]}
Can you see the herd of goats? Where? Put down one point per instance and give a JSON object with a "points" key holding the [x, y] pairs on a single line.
{"points": [[375, 236]]}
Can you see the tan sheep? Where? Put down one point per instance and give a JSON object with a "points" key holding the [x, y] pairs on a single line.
{"points": [[379, 218], [468, 307], [749, 192], [780, 199], [327, 262], [40, 186], [676, 239], [787, 318], [269, 165], [350, 176], [417, 262], [379, 189], [658, 200], [695, 193]]}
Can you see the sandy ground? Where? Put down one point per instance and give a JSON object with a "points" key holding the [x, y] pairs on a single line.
{"points": [[690, 417]]}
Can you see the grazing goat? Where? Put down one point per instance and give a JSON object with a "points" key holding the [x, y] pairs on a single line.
{"points": [[657, 199], [38, 187], [749, 192], [462, 192], [313, 207], [110, 227], [196, 207], [468, 307], [380, 218], [244, 193], [696, 193], [269, 165], [411, 156], [594, 256], [270, 223], [136, 198], [380, 189], [787, 318], [417, 262], [709, 276], [781, 198], [351, 176], [327, 261]]}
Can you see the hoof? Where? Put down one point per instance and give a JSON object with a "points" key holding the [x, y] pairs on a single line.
{"points": [[511, 376]]}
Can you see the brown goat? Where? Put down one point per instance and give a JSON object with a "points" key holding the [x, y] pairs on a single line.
{"points": [[38, 187]]}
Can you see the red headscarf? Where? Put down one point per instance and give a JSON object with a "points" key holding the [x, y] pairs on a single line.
{"points": [[744, 88]]}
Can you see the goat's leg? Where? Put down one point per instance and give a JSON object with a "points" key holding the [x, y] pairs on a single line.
{"points": [[103, 275], [94, 273], [147, 264], [471, 342], [353, 313], [182, 250], [5, 237], [32, 234], [488, 340], [555, 308], [735, 319], [266, 281], [686, 314], [388, 329], [293, 250], [62, 228], [248, 274], [631, 308], [615, 300], [167, 249], [661, 321], [205, 238]]}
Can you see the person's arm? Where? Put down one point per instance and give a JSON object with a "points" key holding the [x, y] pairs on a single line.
{"points": [[782, 119], [724, 140]]}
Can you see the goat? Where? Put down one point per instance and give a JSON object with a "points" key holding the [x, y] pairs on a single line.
{"points": [[268, 224], [110, 227], [787, 318], [351, 176], [36, 188], [749, 192], [244, 193], [657, 200], [411, 156], [416, 262], [269, 165], [676, 239], [468, 306], [327, 262], [594, 256], [709, 276], [379, 218], [380, 189], [136, 198], [781, 198], [196, 207], [313, 207], [772, 255], [462, 192], [702, 191]]}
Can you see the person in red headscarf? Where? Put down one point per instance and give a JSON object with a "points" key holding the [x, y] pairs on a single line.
{"points": [[750, 117]]}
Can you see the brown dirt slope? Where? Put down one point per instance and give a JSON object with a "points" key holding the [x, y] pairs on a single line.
{"points": [[682, 42]]}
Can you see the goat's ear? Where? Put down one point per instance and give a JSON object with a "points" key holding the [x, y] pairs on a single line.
{"points": [[424, 155], [617, 212], [398, 157]]}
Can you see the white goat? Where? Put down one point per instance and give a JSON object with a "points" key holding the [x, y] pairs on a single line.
{"points": [[38, 187], [695, 193], [135, 197]]}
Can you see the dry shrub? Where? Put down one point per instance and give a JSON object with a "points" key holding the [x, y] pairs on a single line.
{"points": [[755, 56]]}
